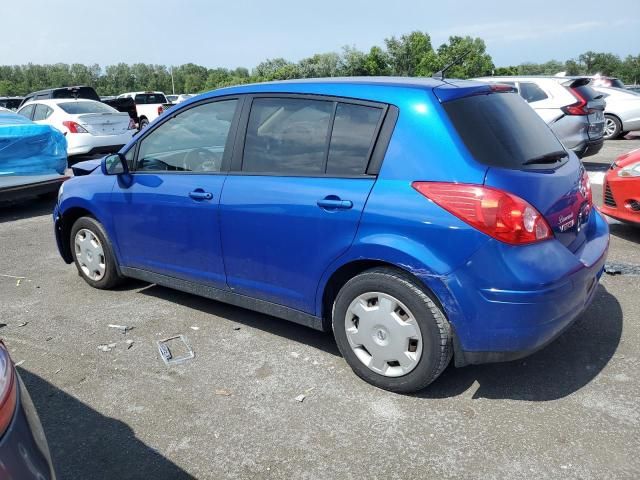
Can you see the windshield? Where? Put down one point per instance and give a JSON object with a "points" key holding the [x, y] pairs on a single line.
{"points": [[77, 108], [502, 130]]}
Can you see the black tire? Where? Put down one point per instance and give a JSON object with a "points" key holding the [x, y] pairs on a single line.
{"points": [[144, 123], [434, 328], [110, 278], [617, 127], [623, 134]]}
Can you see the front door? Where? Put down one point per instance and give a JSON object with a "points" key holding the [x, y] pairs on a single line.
{"points": [[166, 214], [295, 203]]}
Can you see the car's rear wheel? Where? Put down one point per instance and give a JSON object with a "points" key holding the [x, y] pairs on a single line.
{"points": [[92, 254], [144, 123], [390, 331], [612, 127]]}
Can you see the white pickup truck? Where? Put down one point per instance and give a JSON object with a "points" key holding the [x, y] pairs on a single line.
{"points": [[149, 105]]}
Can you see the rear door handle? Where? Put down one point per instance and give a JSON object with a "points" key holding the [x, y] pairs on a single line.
{"points": [[199, 194], [335, 203]]}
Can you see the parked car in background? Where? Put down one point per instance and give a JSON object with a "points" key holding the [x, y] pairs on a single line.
{"points": [[633, 88], [622, 113], [149, 105], [418, 219], [90, 127], [10, 103], [125, 105], [573, 110], [604, 81], [621, 189], [24, 452], [33, 158]]}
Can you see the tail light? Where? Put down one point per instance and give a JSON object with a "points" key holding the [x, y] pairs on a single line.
{"points": [[74, 127], [497, 213], [578, 108], [132, 124], [8, 389], [160, 109]]}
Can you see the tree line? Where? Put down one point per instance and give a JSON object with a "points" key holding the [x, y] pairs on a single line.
{"points": [[408, 55]]}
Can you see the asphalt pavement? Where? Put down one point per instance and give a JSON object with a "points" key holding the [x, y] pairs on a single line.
{"points": [[570, 411]]}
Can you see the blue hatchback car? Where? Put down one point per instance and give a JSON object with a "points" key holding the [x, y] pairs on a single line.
{"points": [[418, 219]]}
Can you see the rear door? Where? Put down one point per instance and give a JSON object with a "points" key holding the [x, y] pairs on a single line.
{"points": [[166, 214], [294, 197], [524, 157]]}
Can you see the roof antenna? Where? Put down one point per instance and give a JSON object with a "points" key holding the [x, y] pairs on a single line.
{"points": [[439, 75]]}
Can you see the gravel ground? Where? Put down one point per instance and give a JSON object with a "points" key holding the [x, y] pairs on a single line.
{"points": [[569, 411]]}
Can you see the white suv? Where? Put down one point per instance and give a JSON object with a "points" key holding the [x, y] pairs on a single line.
{"points": [[573, 110]]}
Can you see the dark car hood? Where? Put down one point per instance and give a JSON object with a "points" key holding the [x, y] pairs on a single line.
{"points": [[86, 167]]}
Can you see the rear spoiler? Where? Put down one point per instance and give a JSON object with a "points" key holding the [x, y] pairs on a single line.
{"points": [[577, 82], [453, 90]]}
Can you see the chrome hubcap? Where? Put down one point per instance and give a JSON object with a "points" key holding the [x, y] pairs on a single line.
{"points": [[383, 334], [90, 254], [609, 127]]}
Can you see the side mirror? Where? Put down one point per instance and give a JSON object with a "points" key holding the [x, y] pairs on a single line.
{"points": [[114, 164]]}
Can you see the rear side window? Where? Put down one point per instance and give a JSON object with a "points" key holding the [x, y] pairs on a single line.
{"points": [[532, 92], [42, 112], [352, 138], [501, 130], [77, 108], [286, 135]]}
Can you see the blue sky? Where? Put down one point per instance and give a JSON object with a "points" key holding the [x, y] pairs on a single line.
{"points": [[243, 32]]}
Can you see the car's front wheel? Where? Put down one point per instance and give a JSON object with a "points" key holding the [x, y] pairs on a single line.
{"points": [[92, 254], [390, 331], [612, 127]]}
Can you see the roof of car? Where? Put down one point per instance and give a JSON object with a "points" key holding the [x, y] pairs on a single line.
{"points": [[56, 101]]}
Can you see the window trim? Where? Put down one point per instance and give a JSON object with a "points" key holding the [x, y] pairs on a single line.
{"points": [[228, 147], [33, 110], [375, 154]]}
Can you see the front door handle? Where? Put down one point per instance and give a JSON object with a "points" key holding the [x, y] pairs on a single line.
{"points": [[199, 194], [333, 202]]}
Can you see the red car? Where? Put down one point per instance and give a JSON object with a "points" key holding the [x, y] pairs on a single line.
{"points": [[621, 189]]}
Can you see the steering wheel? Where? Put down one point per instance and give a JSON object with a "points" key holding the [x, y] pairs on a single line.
{"points": [[201, 160]]}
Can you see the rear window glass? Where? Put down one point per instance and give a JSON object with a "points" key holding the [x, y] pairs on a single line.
{"points": [[77, 108], [501, 130], [82, 92], [150, 98], [352, 137]]}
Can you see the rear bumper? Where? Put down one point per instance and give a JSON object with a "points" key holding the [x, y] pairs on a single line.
{"points": [[591, 147], [507, 302], [24, 453], [85, 143]]}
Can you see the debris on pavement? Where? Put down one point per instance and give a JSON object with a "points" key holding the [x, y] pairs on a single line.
{"points": [[236, 328], [622, 268], [107, 347], [223, 392], [123, 328], [194, 328], [18, 282], [300, 398], [294, 354], [129, 344], [175, 350], [3, 325], [17, 364], [23, 324], [58, 371]]}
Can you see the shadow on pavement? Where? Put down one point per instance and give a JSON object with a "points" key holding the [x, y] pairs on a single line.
{"points": [[625, 231], [563, 367], [26, 208], [85, 444], [275, 326]]}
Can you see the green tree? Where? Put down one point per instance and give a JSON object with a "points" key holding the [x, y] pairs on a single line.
{"points": [[411, 54], [476, 62]]}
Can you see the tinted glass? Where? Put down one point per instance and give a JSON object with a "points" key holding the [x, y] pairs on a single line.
{"points": [[150, 98], [286, 135], [501, 130], [27, 111], [10, 103], [531, 92], [82, 92], [41, 112], [351, 139], [77, 108], [193, 141]]}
